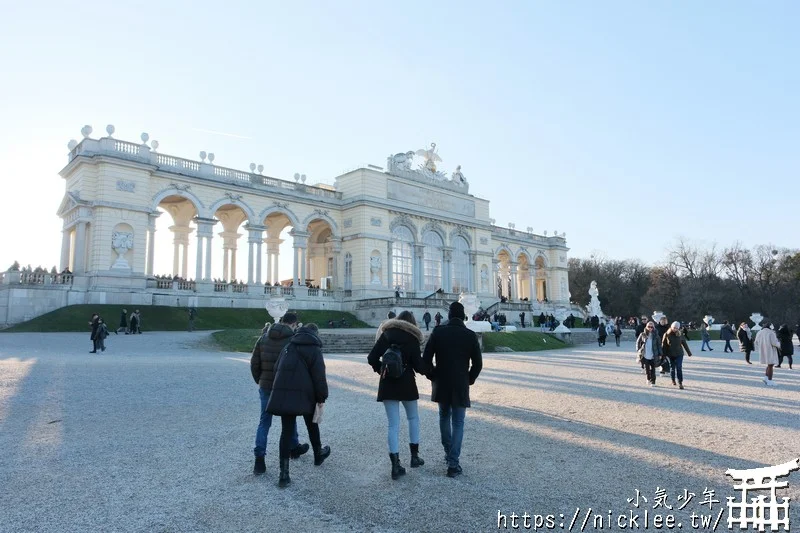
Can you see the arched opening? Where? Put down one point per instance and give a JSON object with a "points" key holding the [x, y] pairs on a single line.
{"points": [[461, 270], [432, 261], [403, 258], [503, 280], [321, 255], [174, 229], [231, 251], [280, 262], [524, 277], [541, 279]]}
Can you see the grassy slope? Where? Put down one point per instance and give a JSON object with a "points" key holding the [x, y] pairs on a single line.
{"points": [[162, 318], [242, 340]]}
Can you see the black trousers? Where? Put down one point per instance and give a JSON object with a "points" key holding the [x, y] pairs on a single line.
{"points": [[287, 430], [728, 347], [780, 359], [650, 369]]}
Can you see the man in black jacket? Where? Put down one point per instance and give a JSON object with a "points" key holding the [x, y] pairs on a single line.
{"points": [[262, 367], [458, 363]]}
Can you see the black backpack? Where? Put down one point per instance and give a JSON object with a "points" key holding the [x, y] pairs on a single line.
{"points": [[392, 366]]}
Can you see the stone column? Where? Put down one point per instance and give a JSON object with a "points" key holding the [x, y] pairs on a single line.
{"points": [[250, 259], [497, 283], [389, 270], [300, 242], [198, 276], [275, 273], [185, 266], [532, 284], [151, 244], [208, 255], [473, 268], [66, 237], [226, 261], [233, 262], [447, 269], [303, 260], [419, 266], [259, 278], [79, 266], [512, 290]]}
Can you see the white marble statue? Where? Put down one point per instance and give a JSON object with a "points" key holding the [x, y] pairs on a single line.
{"points": [[594, 304], [375, 264], [430, 156], [401, 161], [484, 278], [471, 305], [458, 177], [121, 242]]}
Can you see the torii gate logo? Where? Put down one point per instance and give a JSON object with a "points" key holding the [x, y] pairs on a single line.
{"points": [[761, 512]]}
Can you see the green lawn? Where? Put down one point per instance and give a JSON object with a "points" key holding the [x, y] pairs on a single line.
{"points": [[521, 341], [236, 340], [163, 318]]}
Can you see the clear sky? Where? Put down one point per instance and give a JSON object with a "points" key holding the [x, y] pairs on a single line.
{"points": [[624, 124]]}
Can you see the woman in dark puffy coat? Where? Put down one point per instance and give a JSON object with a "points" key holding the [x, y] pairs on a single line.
{"points": [[298, 387], [786, 349], [403, 332]]}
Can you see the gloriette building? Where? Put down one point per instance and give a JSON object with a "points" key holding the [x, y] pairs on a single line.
{"points": [[408, 228]]}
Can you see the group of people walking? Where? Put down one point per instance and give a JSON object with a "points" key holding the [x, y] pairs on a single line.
{"points": [[100, 331], [665, 347], [288, 366]]}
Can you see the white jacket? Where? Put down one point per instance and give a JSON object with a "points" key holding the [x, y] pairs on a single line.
{"points": [[766, 344]]}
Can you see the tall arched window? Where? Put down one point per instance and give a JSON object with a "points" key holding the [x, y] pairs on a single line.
{"points": [[402, 258], [433, 261], [460, 265], [348, 271]]}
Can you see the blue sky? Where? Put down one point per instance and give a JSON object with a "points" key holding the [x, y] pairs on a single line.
{"points": [[623, 124]]}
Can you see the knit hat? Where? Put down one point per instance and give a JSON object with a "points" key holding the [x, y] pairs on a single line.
{"points": [[676, 325], [456, 311]]}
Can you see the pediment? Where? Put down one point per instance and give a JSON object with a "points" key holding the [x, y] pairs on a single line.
{"points": [[70, 201]]}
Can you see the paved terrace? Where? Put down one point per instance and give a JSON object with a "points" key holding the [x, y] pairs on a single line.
{"points": [[157, 434]]}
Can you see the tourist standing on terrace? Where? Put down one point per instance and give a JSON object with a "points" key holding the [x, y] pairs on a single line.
{"points": [[787, 349], [726, 334], [403, 333]]}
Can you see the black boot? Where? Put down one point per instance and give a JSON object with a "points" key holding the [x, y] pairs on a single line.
{"points": [[260, 467], [299, 450], [321, 454], [284, 480], [416, 460], [397, 470]]}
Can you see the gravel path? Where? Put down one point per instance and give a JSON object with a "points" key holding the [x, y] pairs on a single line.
{"points": [[157, 435]]}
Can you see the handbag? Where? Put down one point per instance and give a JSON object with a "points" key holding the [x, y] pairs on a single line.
{"points": [[317, 418]]}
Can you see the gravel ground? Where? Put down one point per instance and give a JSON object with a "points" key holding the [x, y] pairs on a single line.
{"points": [[157, 435]]}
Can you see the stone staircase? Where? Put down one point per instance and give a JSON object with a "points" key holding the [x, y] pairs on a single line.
{"points": [[348, 342]]}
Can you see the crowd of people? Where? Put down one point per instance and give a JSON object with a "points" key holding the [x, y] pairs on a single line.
{"points": [[289, 369], [100, 331], [664, 345]]}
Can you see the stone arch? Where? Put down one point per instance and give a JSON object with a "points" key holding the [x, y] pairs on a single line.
{"points": [[437, 229], [295, 222], [459, 232], [503, 248], [183, 193], [325, 218], [251, 216], [524, 252], [543, 257], [403, 220]]}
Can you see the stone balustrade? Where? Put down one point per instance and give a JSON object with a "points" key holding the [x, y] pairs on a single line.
{"points": [[178, 165], [23, 277]]}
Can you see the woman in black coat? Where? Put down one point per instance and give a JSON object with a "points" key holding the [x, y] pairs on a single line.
{"points": [[94, 323], [787, 348], [299, 385], [403, 333]]}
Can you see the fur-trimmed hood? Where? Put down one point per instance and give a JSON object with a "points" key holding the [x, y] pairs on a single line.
{"points": [[394, 323]]}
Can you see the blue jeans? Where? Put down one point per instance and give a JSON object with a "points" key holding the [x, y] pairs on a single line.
{"points": [[263, 427], [451, 426], [676, 364], [705, 343], [393, 416]]}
